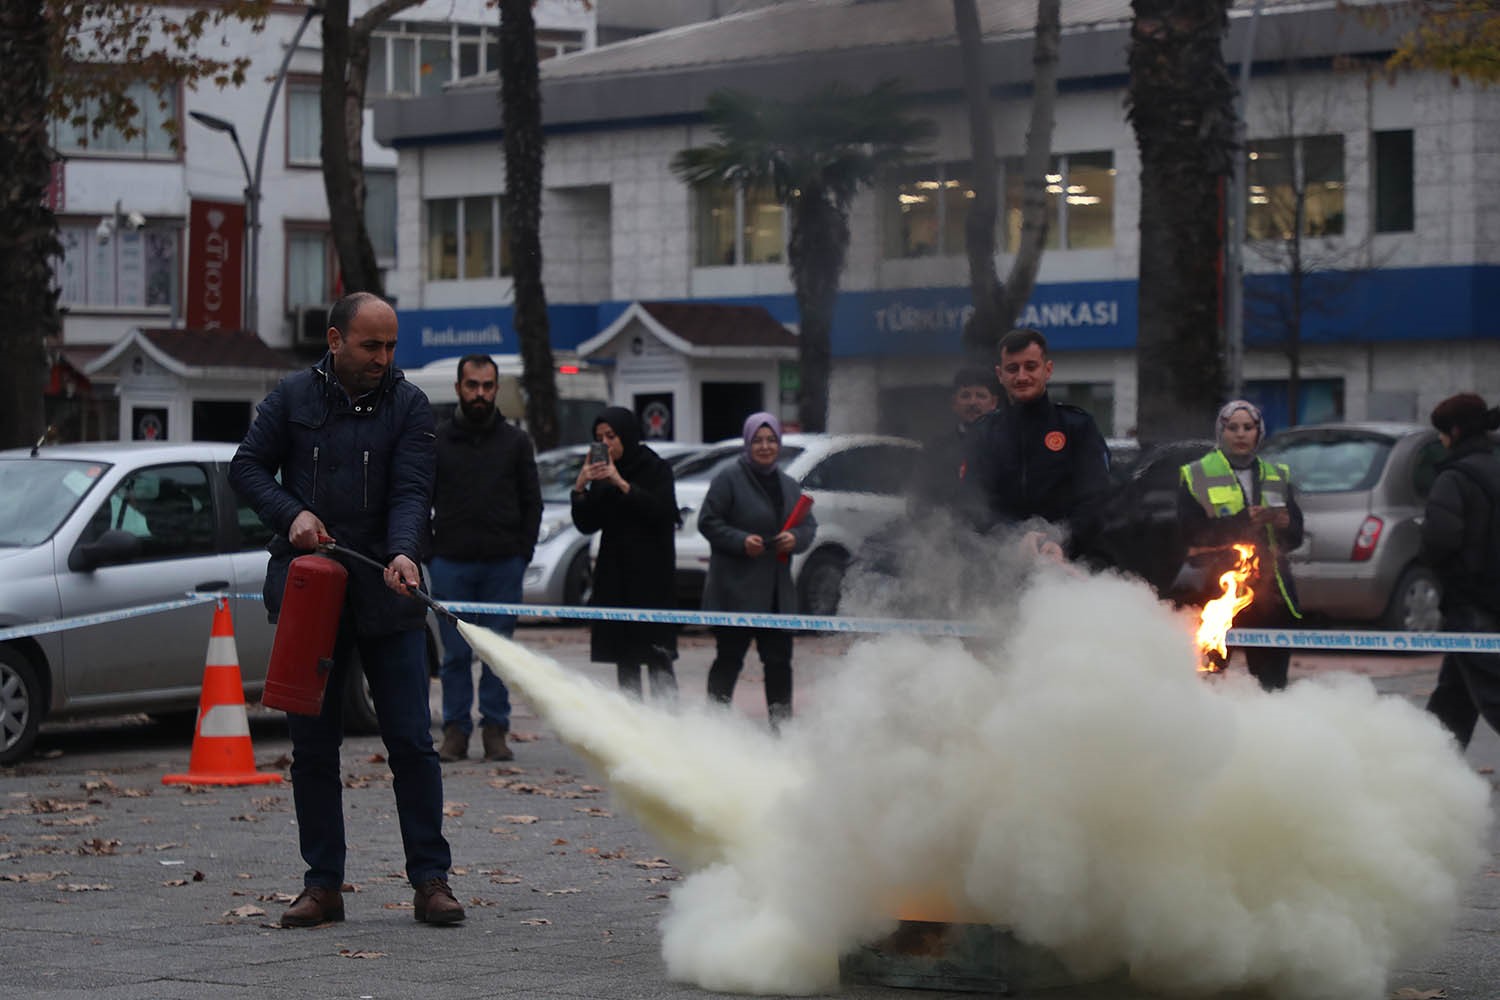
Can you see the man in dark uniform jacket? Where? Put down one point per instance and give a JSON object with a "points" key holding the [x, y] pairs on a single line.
{"points": [[940, 473], [1036, 458]]}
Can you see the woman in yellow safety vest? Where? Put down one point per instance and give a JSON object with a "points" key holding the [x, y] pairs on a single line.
{"points": [[1233, 496]]}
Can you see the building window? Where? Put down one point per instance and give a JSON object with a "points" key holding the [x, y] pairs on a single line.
{"points": [[310, 265], [151, 133], [1294, 179], [1395, 210], [128, 269], [380, 213], [738, 226], [1080, 201], [413, 58], [925, 211], [304, 123], [465, 238]]}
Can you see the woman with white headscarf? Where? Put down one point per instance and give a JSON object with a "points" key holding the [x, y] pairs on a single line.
{"points": [[1233, 496], [744, 517]]}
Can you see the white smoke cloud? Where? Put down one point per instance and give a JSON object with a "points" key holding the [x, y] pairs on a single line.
{"points": [[1073, 780]]}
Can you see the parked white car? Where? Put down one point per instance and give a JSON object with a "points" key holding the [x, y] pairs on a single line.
{"points": [[561, 569], [858, 483]]}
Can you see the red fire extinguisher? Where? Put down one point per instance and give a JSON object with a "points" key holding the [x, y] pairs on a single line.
{"points": [[302, 652]]}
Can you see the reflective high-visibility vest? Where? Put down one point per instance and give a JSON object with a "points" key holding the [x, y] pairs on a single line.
{"points": [[1212, 482]]}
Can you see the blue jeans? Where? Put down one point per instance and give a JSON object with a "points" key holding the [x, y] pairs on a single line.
{"points": [[495, 582], [396, 667]]}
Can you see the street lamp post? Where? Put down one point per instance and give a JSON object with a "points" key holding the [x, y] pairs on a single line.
{"points": [[252, 178]]}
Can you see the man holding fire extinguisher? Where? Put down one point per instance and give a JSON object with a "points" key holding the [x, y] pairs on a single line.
{"points": [[353, 444]]}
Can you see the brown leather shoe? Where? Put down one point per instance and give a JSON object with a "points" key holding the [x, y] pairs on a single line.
{"points": [[435, 903], [314, 905], [455, 743], [495, 747]]}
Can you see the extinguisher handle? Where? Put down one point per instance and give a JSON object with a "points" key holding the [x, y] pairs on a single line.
{"points": [[412, 591]]}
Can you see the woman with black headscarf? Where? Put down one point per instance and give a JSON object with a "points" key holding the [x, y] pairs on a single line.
{"points": [[630, 497], [744, 517], [1459, 542]]}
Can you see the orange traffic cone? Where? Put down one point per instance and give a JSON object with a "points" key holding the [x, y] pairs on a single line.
{"points": [[221, 744]]}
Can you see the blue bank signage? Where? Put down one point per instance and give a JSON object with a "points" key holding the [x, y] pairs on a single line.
{"points": [[1076, 315], [429, 335]]}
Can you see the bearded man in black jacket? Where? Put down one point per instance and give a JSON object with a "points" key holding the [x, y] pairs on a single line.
{"points": [[486, 513]]}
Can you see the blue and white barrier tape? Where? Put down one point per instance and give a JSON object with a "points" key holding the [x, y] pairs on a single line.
{"points": [[798, 623], [1368, 642], [102, 617], [1302, 639]]}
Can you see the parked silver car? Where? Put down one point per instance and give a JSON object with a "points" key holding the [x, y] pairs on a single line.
{"points": [[1362, 488], [101, 527]]}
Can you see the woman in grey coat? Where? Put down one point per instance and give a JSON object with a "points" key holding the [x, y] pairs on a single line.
{"points": [[744, 519]]}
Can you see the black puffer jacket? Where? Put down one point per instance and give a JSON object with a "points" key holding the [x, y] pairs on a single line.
{"points": [[1456, 527], [365, 469], [1038, 459]]}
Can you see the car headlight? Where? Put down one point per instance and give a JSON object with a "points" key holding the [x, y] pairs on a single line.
{"points": [[550, 530]]}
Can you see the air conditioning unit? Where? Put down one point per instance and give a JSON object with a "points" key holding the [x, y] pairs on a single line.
{"points": [[310, 327]]}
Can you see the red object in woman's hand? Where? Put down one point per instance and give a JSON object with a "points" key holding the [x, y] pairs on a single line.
{"points": [[797, 516]]}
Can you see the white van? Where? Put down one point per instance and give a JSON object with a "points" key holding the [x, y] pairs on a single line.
{"points": [[582, 391]]}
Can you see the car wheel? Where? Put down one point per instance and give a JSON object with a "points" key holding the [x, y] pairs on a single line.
{"points": [[1414, 602], [20, 705], [359, 707], [578, 584], [821, 581]]}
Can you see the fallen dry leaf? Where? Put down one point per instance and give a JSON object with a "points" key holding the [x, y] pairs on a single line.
{"points": [[98, 846], [32, 877], [519, 820], [537, 922], [654, 863], [593, 811], [76, 887], [520, 737], [248, 910], [350, 953], [173, 883], [454, 809], [1411, 994]]}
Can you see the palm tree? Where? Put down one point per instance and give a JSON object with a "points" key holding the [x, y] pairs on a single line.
{"points": [[1182, 108], [814, 154], [28, 229]]}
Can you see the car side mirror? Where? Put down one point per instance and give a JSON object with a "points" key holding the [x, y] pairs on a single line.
{"points": [[113, 548]]}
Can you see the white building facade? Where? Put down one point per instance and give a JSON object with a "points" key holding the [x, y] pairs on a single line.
{"points": [[132, 258], [1400, 248]]}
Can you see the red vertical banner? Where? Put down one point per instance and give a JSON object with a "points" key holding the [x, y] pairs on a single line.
{"points": [[57, 187], [216, 265]]}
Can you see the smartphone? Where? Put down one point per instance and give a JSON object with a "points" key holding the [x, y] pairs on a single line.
{"points": [[598, 452]]}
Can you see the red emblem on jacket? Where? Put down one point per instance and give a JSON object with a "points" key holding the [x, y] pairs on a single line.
{"points": [[1055, 440]]}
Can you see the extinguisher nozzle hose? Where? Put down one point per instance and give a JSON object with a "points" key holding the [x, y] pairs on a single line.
{"points": [[330, 548]]}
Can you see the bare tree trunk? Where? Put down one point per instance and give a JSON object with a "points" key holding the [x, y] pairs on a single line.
{"points": [[1181, 106], [521, 210], [815, 252], [1021, 281], [996, 306], [342, 112], [28, 229], [984, 328]]}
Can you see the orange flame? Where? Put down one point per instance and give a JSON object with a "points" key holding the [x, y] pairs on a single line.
{"points": [[1218, 614]]}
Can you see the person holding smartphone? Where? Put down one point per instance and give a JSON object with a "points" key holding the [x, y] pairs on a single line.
{"points": [[1233, 496], [627, 492]]}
